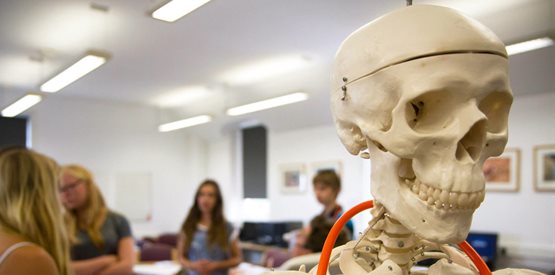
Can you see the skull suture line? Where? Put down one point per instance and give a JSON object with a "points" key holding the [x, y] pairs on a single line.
{"points": [[426, 91]]}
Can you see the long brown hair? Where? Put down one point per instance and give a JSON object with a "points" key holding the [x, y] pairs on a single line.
{"points": [[30, 204], [95, 212], [217, 234]]}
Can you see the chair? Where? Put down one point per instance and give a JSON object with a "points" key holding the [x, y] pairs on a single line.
{"points": [[152, 252], [168, 238]]}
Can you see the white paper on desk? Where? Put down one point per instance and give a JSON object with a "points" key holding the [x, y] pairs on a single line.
{"points": [[157, 268], [248, 269]]}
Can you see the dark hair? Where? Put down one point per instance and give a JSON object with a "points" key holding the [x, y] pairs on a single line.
{"points": [[320, 227], [328, 178], [217, 234]]}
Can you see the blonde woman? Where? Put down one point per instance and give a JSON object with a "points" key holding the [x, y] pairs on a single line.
{"points": [[32, 236], [101, 239]]}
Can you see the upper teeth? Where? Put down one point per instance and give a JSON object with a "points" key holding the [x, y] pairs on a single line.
{"points": [[443, 199]]}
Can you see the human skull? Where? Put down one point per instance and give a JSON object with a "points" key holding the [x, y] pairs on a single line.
{"points": [[426, 91]]}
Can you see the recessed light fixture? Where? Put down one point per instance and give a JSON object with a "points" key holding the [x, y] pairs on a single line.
{"points": [[267, 104], [91, 61], [529, 45], [184, 123], [21, 105], [265, 69], [176, 9]]}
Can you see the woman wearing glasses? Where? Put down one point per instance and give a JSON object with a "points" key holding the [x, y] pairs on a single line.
{"points": [[101, 239]]}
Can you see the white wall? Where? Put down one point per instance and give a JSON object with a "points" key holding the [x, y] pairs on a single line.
{"points": [[113, 139]]}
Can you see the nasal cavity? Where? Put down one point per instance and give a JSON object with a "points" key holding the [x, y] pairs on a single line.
{"points": [[470, 146]]}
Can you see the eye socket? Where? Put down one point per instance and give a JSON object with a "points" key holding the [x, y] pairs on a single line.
{"points": [[430, 112], [496, 107]]}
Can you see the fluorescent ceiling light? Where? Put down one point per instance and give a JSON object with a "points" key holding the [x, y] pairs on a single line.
{"points": [[267, 104], [85, 65], [265, 69], [176, 9], [21, 105], [181, 96], [184, 123], [529, 45]]}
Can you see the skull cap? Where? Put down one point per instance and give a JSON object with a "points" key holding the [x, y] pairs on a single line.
{"points": [[409, 33]]}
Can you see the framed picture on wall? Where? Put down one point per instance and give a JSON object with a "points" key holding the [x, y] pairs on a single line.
{"points": [[333, 165], [502, 173], [293, 178], [544, 168]]}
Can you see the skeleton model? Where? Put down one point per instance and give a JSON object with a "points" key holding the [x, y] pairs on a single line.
{"points": [[424, 92]]}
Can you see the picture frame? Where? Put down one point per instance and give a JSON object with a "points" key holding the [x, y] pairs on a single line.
{"points": [[544, 168], [502, 173], [334, 165], [293, 178]]}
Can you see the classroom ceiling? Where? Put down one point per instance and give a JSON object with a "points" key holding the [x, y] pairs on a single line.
{"points": [[154, 60]]}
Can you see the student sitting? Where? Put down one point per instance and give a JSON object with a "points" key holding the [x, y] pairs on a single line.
{"points": [[207, 244], [327, 186], [33, 239], [101, 239]]}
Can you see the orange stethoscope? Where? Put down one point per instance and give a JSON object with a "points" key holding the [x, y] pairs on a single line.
{"points": [[338, 226]]}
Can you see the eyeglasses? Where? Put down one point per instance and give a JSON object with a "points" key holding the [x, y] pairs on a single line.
{"points": [[70, 186]]}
